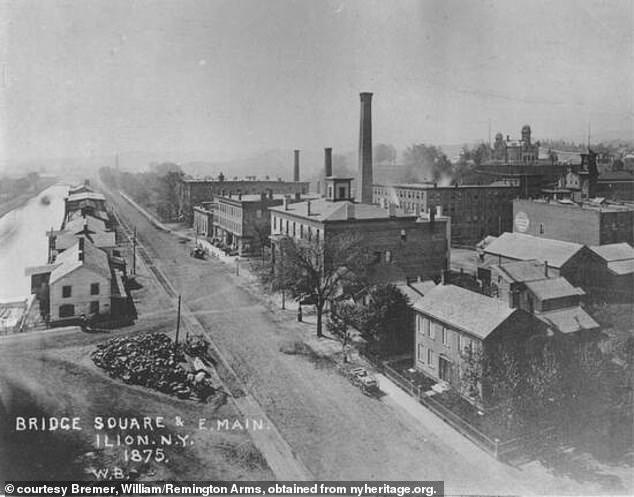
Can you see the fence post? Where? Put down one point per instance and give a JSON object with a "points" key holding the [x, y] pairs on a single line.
{"points": [[496, 448]]}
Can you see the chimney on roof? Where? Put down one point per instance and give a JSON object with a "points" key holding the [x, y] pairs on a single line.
{"points": [[364, 184], [546, 269], [286, 203], [270, 191], [327, 162], [308, 208], [296, 167]]}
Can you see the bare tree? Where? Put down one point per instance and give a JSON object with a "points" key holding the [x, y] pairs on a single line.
{"points": [[317, 270]]}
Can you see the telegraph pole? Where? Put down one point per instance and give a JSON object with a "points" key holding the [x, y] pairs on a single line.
{"points": [[178, 322], [134, 252]]}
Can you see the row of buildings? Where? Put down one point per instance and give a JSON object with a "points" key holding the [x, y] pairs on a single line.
{"points": [[84, 276], [549, 244]]}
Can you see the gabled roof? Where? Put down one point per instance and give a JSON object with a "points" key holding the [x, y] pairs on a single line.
{"points": [[74, 197], [614, 252], [469, 311], [553, 288], [526, 247], [77, 224], [621, 268], [94, 259], [522, 271], [569, 320]]}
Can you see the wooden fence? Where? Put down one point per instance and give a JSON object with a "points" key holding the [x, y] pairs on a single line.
{"points": [[499, 449]]}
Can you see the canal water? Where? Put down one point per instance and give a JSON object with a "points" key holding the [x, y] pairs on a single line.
{"points": [[23, 240]]}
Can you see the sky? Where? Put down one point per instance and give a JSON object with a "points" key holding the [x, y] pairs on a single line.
{"points": [[214, 80]]}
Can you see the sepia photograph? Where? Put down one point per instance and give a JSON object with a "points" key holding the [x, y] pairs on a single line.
{"points": [[317, 247]]}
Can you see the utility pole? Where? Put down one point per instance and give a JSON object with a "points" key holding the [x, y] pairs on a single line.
{"points": [[178, 322], [134, 252]]}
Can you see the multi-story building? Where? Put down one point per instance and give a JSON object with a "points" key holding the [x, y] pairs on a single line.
{"points": [[243, 223], [476, 211], [509, 151], [452, 322], [529, 285], [193, 192], [588, 223], [403, 246], [203, 220]]}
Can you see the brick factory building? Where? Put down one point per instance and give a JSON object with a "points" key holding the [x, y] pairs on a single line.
{"points": [[403, 246], [588, 223], [476, 211]]}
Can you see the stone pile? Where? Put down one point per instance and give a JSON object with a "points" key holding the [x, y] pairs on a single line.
{"points": [[152, 361]]}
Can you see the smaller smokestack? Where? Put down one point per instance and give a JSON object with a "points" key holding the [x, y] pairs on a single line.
{"points": [[546, 269], [296, 167], [327, 162]]}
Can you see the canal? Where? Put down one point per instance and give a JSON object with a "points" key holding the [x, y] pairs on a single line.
{"points": [[23, 239]]}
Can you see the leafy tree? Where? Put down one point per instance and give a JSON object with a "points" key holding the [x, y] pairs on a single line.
{"points": [[426, 162], [318, 269], [386, 322], [384, 153], [342, 317]]}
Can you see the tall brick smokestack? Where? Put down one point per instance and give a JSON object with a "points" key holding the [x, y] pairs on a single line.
{"points": [[327, 162], [296, 167], [364, 181]]}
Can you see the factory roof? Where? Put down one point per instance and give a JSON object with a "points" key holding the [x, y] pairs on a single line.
{"points": [[621, 268], [472, 312], [520, 271], [569, 320], [326, 211], [614, 251], [553, 288], [526, 247]]}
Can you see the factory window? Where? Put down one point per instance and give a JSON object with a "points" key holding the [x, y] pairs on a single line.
{"points": [[421, 353], [429, 358], [301, 231], [94, 289], [66, 310], [287, 226], [445, 334], [274, 223], [294, 228], [66, 291], [94, 307]]}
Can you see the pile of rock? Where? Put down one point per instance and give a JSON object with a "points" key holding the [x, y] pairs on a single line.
{"points": [[153, 361]]}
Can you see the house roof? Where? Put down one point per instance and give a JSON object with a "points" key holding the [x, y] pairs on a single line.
{"points": [[526, 247], [521, 271], [43, 269], [77, 224], [94, 259], [423, 287], [614, 251], [73, 197], [475, 313], [553, 288], [569, 320], [621, 268]]}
